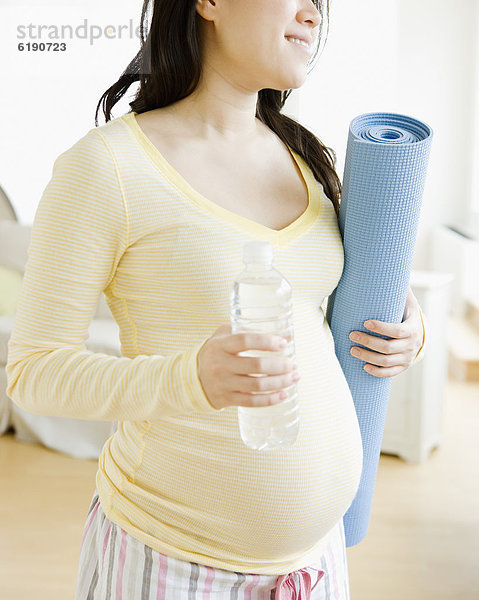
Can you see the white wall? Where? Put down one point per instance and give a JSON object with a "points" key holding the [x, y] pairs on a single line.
{"points": [[48, 99], [475, 128], [441, 69], [416, 58], [356, 72]]}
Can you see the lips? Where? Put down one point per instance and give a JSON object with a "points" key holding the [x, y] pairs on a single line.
{"points": [[303, 44], [307, 39]]}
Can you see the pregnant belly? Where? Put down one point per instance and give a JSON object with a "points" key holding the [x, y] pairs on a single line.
{"points": [[199, 477], [196, 477]]}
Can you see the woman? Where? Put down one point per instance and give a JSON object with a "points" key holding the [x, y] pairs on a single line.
{"points": [[153, 209]]}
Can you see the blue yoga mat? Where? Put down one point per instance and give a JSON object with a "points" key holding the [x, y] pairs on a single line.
{"points": [[383, 183]]}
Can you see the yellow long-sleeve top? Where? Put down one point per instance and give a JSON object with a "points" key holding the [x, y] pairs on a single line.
{"points": [[117, 218]]}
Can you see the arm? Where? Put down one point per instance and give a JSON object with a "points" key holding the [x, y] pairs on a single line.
{"points": [[79, 236], [386, 358]]}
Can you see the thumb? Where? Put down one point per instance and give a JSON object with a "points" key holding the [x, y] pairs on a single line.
{"points": [[223, 330]]}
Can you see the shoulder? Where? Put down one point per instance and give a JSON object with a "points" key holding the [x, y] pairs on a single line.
{"points": [[85, 184], [91, 162], [98, 142]]}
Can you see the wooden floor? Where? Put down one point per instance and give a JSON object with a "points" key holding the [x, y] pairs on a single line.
{"points": [[422, 544]]}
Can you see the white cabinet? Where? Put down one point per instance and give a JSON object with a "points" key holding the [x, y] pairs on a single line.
{"points": [[415, 412]]}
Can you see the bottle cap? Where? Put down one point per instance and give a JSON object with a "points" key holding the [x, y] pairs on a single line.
{"points": [[258, 252]]}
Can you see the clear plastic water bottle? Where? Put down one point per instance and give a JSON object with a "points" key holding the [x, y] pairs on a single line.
{"points": [[261, 302]]}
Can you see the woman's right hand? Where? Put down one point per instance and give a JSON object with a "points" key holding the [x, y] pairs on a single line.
{"points": [[226, 377]]}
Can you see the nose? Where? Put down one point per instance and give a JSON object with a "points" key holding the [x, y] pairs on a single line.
{"points": [[309, 13]]}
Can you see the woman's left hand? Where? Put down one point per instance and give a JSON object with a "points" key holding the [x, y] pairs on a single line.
{"points": [[386, 358]]}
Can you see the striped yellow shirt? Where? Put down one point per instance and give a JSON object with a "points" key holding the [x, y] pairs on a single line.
{"points": [[117, 218]]}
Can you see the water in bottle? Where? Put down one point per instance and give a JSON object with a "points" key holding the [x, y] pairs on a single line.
{"points": [[261, 302]]}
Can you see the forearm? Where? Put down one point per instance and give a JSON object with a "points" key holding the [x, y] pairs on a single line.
{"points": [[76, 383]]}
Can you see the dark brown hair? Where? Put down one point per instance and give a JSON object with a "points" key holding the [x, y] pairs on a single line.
{"points": [[172, 71]]}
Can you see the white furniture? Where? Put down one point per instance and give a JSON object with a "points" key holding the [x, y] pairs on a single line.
{"points": [[415, 412], [456, 251], [79, 438]]}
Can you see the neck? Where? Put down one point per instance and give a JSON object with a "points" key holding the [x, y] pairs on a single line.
{"points": [[218, 110]]}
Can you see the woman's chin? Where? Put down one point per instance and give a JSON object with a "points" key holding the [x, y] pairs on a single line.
{"points": [[290, 84], [294, 80]]}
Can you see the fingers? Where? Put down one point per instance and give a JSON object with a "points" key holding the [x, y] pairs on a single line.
{"points": [[375, 358], [381, 365], [257, 400], [385, 357], [229, 378], [383, 371], [241, 342], [275, 383], [263, 365], [393, 330], [373, 342], [378, 344]]}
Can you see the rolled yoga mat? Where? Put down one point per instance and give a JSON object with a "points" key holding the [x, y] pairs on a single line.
{"points": [[384, 176]]}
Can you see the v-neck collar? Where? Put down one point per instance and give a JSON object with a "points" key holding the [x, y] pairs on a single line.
{"points": [[275, 236]]}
